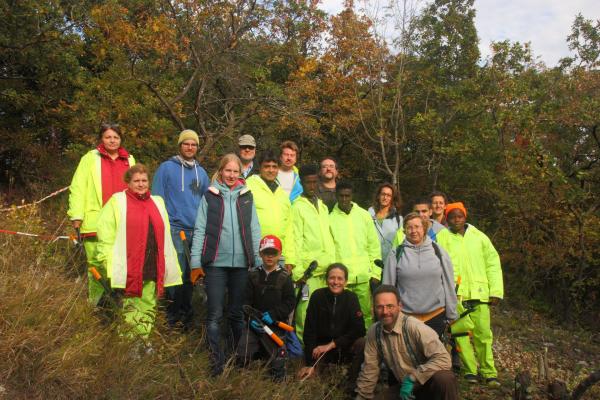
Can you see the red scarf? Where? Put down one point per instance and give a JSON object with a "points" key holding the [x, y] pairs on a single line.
{"points": [[112, 171], [140, 211]]}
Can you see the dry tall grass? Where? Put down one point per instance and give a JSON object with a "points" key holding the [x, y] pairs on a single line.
{"points": [[55, 346]]}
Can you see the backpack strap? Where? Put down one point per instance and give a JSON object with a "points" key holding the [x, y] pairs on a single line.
{"points": [[399, 252], [438, 253], [282, 278], [378, 335], [409, 348]]}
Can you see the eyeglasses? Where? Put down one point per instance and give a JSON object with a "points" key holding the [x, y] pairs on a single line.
{"points": [[247, 147], [387, 307], [189, 144]]}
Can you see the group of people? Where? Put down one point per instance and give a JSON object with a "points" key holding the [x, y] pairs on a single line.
{"points": [[276, 246]]}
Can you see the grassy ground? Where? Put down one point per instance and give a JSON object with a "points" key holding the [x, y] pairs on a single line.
{"points": [[54, 346]]}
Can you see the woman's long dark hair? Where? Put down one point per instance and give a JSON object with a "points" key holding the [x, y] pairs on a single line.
{"points": [[396, 198]]}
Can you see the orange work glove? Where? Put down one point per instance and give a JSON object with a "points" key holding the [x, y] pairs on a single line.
{"points": [[196, 274]]}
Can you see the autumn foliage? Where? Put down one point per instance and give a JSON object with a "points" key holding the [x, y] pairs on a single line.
{"points": [[514, 139]]}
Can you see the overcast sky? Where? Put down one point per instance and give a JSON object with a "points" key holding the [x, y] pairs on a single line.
{"points": [[544, 23]]}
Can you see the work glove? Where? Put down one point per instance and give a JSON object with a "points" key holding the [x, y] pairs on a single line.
{"points": [[256, 326], [267, 319], [406, 389], [196, 274]]}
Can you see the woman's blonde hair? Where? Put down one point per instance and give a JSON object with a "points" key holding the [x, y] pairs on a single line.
{"points": [[227, 158]]}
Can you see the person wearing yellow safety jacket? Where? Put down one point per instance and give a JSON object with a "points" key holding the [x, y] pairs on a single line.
{"points": [[356, 246], [312, 239], [477, 262], [135, 247], [98, 176], [273, 205]]}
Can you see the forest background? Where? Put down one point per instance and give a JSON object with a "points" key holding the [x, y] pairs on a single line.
{"points": [[514, 139]]}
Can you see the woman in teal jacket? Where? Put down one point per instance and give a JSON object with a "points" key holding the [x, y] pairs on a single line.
{"points": [[98, 176], [224, 248]]}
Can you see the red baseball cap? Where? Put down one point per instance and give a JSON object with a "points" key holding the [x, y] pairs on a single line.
{"points": [[270, 242]]}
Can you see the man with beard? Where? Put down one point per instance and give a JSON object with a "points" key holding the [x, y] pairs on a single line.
{"points": [[312, 239], [328, 173], [418, 361], [181, 182]]}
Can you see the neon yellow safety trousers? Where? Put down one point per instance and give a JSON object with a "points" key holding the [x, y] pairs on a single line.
{"points": [[139, 312], [363, 292], [95, 289], [313, 283], [482, 343]]}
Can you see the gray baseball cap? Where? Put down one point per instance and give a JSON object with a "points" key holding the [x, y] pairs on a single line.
{"points": [[246, 140]]}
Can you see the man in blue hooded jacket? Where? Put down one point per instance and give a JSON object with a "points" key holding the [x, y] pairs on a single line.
{"points": [[181, 182]]}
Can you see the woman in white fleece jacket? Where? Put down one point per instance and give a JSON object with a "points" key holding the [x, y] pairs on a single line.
{"points": [[422, 272]]}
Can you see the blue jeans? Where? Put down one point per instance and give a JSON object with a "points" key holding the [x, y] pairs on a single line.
{"points": [[216, 281], [179, 307]]}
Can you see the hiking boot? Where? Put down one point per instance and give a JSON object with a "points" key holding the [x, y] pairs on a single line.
{"points": [[472, 379], [492, 382]]}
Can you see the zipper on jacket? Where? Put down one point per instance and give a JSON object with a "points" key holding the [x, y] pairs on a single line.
{"points": [[232, 230], [333, 315]]}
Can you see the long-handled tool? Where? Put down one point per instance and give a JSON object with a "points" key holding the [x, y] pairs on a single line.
{"points": [[186, 247], [372, 283], [251, 312], [199, 283], [256, 314], [108, 290], [305, 277]]}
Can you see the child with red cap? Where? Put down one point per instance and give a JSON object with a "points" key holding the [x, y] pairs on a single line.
{"points": [[270, 291], [477, 262]]}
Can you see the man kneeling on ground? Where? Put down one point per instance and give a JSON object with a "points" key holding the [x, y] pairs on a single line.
{"points": [[270, 291], [412, 352]]}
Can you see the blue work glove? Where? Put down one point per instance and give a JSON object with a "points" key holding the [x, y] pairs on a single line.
{"points": [[406, 389], [256, 326], [266, 318]]}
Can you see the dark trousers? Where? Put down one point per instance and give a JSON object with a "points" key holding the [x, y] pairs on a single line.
{"points": [[218, 281], [179, 298], [438, 324], [441, 386], [254, 345]]}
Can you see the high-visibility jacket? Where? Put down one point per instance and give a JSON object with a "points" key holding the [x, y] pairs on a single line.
{"points": [[476, 261], [85, 200], [112, 242], [356, 243], [312, 237], [274, 214]]}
